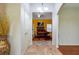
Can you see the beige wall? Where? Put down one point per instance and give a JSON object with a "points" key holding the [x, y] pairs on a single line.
{"points": [[13, 14], [3, 20], [2, 9], [69, 26]]}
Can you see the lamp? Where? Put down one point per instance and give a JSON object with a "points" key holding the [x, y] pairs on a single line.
{"points": [[39, 15]]}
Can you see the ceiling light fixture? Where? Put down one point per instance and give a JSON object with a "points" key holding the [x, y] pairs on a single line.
{"points": [[39, 15], [42, 8]]}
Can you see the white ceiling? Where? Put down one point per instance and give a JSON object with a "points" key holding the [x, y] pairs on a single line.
{"points": [[34, 6]]}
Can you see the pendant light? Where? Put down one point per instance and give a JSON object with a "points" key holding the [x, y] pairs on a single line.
{"points": [[42, 8]]}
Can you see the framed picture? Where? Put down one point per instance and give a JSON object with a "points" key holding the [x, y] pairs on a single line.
{"points": [[40, 24]]}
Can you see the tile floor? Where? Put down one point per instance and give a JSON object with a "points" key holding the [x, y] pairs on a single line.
{"points": [[42, 43], [42, 48]]}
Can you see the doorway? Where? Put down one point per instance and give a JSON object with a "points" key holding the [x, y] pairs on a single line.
{"points": [[69, 29], [42, 28]]}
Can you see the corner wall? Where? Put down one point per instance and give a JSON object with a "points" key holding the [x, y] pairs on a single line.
{"points": [[26, 27], [55, 18], [13, 14]]}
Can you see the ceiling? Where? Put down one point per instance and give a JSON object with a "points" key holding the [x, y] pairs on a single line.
{"points": [[71, 5], [46, 14], [34, 6]]}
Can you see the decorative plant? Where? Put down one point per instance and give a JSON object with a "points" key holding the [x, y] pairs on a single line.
{"points": [[4, 30], [4, 25]]}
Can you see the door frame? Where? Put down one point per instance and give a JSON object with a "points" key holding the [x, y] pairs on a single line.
{"points": [[51, 28]]}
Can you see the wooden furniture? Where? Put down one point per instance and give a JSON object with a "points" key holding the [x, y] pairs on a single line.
{"points": [[41, 32]]}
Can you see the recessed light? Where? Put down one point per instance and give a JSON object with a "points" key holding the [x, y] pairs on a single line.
{"points": [[39, 15]]}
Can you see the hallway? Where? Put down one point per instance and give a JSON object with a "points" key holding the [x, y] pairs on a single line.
{"points": [[38, 31], [42, 50]]}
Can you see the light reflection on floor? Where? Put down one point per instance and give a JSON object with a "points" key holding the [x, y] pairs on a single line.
{"points": [[42, 48]]}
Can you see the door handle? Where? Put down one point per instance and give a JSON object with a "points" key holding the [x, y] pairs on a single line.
{"points": [[25, 33]]}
